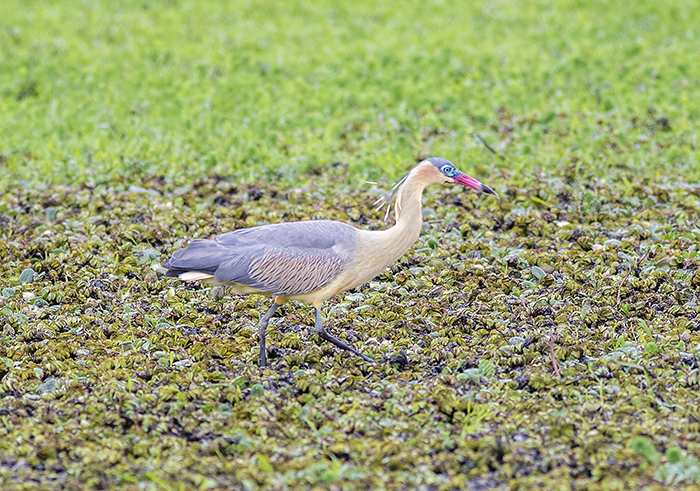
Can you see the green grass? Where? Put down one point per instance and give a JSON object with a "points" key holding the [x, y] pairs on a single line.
{"points": [[93, 89], [550, 338]]}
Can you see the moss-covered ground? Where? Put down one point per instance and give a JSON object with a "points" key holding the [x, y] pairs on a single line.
{"points": [[548, 339]]}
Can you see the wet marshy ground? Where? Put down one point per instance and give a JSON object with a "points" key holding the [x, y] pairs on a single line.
{"points": [[547, 337]]}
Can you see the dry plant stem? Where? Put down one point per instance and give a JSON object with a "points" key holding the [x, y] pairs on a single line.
{"points": [[624, 280], [555, 363], [490, 148]]}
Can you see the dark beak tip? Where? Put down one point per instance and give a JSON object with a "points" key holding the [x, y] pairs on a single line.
{"points": [[488, 190]]}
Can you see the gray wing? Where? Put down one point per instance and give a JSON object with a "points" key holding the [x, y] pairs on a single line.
{"points": [[283, 259]]}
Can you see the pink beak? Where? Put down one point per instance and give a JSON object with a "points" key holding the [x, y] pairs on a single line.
{"points": [[470, 182]]}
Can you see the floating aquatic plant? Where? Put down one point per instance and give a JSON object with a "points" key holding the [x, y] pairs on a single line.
{"points": [[519, 340]]}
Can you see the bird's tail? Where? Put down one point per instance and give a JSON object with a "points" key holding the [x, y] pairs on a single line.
{"points": [[200, 256]]}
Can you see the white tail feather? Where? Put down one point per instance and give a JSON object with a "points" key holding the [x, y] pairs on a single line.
{"points": [[194, 275]]}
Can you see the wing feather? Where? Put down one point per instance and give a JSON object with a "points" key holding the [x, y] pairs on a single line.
{"points": [[282, 259], [295, 271]]}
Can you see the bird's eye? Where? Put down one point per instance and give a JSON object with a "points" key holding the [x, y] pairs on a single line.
{"points": [[448, 170]]}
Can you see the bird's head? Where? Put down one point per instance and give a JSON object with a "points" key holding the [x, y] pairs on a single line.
{"points": [[437, 170], [434, 170]]}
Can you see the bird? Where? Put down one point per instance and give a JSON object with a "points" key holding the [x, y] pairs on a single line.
{"points": [[311, 261]]}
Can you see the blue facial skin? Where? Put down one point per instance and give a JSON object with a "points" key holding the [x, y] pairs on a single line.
{"points": [[444, 166], [449, 170]]}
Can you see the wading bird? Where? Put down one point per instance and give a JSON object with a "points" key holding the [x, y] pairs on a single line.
{"points": [[313, 260]]}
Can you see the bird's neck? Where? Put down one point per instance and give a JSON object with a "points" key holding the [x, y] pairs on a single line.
{"points": [[383, 247], [409, 214], [380, 248]]}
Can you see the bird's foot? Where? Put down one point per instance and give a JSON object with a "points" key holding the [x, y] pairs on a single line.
{"points": [[321, 331], [340, 344]]}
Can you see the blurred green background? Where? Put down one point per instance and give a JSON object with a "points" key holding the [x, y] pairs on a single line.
{"points": [[91, 89]]}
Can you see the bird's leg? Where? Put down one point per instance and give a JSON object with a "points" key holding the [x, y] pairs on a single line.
{"points": [[321, 331], [262, 327]]}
